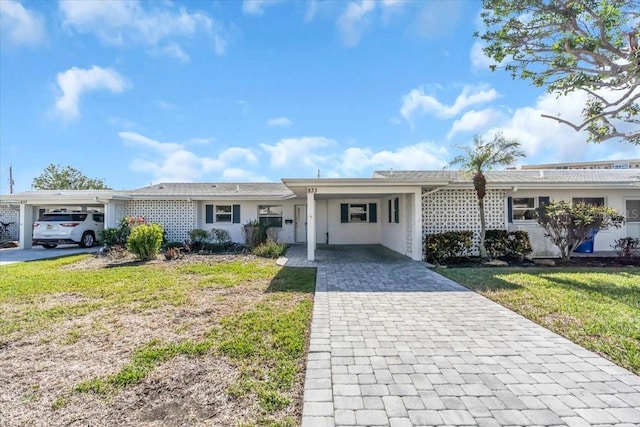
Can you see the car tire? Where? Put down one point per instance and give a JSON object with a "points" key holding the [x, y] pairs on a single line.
{"points": [[49, 245], [88, 240]]}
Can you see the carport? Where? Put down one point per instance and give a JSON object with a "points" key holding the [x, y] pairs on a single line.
{"points": [[362, 211], [31, 203]]}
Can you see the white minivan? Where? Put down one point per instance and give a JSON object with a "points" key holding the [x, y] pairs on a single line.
{"points": [[59, 227]]}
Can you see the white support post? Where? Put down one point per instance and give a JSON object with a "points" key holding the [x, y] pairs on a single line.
{"points": [[417, 226], [311, 224], [26, 227]]}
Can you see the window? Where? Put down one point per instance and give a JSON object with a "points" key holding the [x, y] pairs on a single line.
{"points": [[525, 208], [98, 217], [358, 212], [270, 215], [222, 213], [593, 201]]}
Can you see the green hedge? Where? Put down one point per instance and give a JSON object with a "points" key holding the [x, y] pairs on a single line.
{"points": [[452, 244]]}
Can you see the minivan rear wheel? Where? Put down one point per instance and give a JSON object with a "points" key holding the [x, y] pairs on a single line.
{"points": [[88, 239]]}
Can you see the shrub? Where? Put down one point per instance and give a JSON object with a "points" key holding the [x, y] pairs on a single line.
{"points": [[519, 244], [501, 243], [269, 249], [497, 243], [198, 235], [254, 233], [439, 247], [626, 246], [145, 241], [113, 236], [118, 236], [219, 235], [568, 225]]}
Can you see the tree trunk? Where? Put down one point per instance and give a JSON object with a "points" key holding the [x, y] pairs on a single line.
{"points": [[480, 185], [483, 229]]}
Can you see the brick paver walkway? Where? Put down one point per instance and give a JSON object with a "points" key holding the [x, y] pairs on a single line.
{"points": [[395, 344]]}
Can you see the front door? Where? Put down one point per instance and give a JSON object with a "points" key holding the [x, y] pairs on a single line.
{"points": [[301, 223]]}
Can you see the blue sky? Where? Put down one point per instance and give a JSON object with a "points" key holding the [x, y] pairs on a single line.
{"points": [[139, 92]]}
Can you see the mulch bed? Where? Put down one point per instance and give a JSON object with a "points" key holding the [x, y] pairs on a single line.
{"points": [[576, 261]]}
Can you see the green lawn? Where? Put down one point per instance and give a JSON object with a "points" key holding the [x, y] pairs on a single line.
{"points": [[596, 308], [126, 330]]}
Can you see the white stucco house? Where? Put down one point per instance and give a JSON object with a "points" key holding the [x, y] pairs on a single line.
{"points": [[393, 208]]}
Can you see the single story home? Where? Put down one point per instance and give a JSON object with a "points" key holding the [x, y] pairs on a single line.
{"points": [[393, 208]]}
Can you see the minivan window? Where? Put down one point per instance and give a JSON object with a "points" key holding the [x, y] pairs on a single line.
{"points": [[98, 217]]}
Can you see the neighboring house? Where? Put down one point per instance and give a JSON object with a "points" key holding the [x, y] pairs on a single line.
{"points": [[602, 164], [393, 208]]}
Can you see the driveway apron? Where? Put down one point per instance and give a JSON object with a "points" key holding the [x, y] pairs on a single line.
{"points": [[395, 344]]}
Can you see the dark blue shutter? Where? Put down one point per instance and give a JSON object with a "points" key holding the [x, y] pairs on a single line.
{"points": [[373, 212], [510, 209], [344, 212], [396, 206], [542, 203], [236, 214], [390, 220], [208, 214]]}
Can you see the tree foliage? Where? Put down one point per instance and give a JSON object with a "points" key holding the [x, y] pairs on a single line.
{"points": [[55, 177], [569, 226], [572, 45], [483, 156]]}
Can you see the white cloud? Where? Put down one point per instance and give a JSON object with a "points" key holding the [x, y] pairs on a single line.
{"points": [[423, 155], [175, 51], [279, 121], [220, 45], [76, 81], [172, 162], [290, 151], [354, 20], [20, 26], [243, 175], [547, 141], [417, 102], [474, 121], [129, 22], [256, 7]]}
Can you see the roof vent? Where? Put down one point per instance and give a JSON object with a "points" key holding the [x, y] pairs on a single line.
{"points": [[161, 187], [541, 173], [237, 187], [214, 185]]}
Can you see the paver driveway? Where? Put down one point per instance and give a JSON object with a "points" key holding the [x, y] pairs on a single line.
{"points": [[393, 343]]}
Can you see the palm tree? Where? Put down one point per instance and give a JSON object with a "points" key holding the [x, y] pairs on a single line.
{"points": [[481, 157]]}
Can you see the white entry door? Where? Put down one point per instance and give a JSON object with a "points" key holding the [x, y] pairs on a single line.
{"points": [[301, 223]]}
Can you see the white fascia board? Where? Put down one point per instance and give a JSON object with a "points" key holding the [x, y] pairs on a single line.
{"points": [[359, 182]]}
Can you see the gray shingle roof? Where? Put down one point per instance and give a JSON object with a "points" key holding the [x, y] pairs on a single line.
{"points": [[573, 176], [241, 190]]}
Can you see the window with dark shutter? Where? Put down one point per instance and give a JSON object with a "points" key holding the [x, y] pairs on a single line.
{"points": [[208, 216], [373, 212], [344, 213], [396, 210], [236, 214]]}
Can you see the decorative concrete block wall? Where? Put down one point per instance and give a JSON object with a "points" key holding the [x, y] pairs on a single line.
{"points": [[457, 210], [177, 217], [408, 218], [10, 214]]}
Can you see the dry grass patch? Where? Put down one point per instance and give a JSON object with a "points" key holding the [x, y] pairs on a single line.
{"points": [[201, 340]]}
